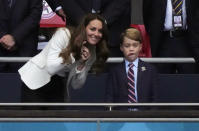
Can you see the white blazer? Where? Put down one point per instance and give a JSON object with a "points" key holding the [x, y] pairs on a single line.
{"points": [[37, 71]]}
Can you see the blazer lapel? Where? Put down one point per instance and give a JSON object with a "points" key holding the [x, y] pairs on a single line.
{"points": [[187, 5], [163, 6], [164, 2]]}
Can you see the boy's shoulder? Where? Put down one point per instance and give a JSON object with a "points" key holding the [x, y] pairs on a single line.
{"points": [[146, 65]]}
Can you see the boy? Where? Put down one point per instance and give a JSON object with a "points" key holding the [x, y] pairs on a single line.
{"points": [[132, 80]]}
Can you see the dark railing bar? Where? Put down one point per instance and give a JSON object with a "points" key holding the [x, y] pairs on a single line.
{"points": [[99, 119], [99, 104]]}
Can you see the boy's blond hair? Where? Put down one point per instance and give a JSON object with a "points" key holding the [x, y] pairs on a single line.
{"points": [[132, 34]]}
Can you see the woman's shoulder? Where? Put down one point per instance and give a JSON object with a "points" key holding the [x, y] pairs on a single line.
{"points": [[63, 30]]}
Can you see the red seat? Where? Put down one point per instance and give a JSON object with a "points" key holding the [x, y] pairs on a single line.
{"points": [[146, 48], [50, 18]]}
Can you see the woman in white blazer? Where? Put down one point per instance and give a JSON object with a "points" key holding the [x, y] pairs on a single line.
{"points": [[77, 53]]}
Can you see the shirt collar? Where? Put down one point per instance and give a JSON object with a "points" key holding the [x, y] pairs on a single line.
{"points": [[135, 62]]}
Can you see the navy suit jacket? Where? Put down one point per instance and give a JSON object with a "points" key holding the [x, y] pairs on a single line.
{"points": [[117, 88], [22, 22], [53, 4]]}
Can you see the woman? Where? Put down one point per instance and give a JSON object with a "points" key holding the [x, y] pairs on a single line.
{"points": [[78, 52]]}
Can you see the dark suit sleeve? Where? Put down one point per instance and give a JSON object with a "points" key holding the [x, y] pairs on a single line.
{"points": [[53, 4], [30, 22], [3, 19], [73, 10], [146, 13], [194, 29], [113, 9]]}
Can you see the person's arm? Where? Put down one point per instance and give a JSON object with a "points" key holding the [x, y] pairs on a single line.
{"points": [[3, 20], [30, 22], [57, 8], [77, 78], [58, 42], [74, 12], [80, 69], [6, 40], [193, 28], [113, 9], [147, 13], [53, 4]]}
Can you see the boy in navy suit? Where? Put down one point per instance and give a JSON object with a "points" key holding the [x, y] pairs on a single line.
{"points": [[132, 80]]}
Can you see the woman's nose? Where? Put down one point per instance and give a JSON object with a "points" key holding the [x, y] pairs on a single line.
{"points": [[97, 33]]}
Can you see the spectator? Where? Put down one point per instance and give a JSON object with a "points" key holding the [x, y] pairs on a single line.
{"points": [[56, 7], [19, 24], [173, 31], [132, 80], [116, 13], [78, 53]]}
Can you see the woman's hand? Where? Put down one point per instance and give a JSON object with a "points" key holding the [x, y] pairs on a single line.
{"points": [[85, 55]]}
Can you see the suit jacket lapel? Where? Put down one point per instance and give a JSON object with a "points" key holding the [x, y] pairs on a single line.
{"points": [[163, 6], [164, 2], [187, 6]]}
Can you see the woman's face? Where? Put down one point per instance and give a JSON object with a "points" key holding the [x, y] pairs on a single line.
{"points": [[94, 32]]}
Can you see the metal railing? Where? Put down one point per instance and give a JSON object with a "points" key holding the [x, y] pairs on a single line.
{"points": [[98, 116], [113, 60], [100, 104]]}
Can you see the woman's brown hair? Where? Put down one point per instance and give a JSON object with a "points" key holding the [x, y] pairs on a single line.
{"points": [[78, 36]]}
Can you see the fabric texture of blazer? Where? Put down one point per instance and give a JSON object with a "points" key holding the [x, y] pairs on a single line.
{"points": [[117, 88]]}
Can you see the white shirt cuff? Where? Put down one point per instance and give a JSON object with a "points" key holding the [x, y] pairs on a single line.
{"points": [[58, 8]]}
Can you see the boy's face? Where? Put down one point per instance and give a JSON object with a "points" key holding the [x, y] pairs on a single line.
{"points": [[130, 49]]}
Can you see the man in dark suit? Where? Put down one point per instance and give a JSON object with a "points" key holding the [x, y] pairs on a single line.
{"points": [[57, 8], [19, 26], [116, 13], [173, 33], [131, 84]]}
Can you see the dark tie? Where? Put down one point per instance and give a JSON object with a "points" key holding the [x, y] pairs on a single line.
{"points": [[177, 14], [131, 85], [177, 7], [96, 5]]}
